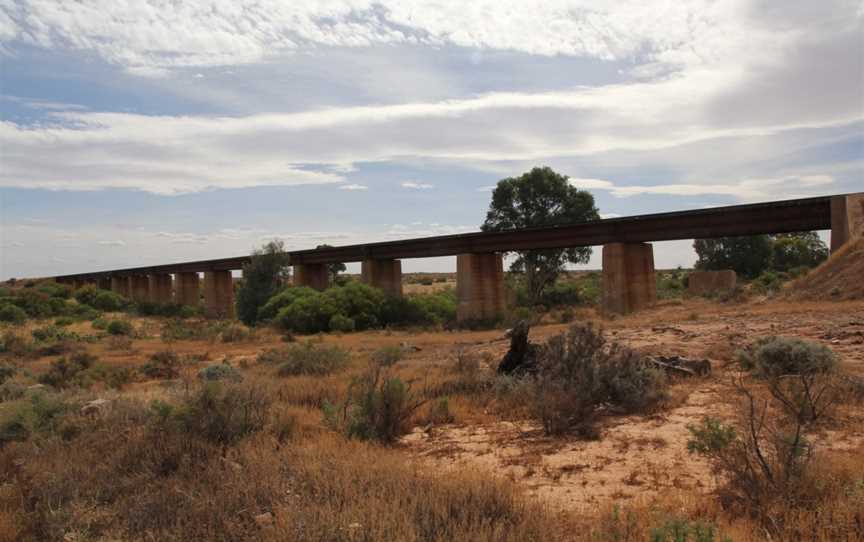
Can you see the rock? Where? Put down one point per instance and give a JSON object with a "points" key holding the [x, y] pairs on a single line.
{"points": [[36, 387], [95, 406], [264, 520], [408, 347]]}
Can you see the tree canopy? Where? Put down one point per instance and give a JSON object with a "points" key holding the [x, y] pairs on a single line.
{"points": [[262, 277], [749, 256], [540, 197]]}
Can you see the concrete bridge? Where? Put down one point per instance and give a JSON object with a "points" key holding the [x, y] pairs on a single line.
{"points": [[628, 256]]}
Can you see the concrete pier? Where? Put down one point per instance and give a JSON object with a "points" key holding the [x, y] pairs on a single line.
{"points": [[628, 277], [383, 274], [139, 288], [218, 294], [847, 219], [480, 286], [104, 283], [313, 275], [160, 288], [187, 286], [120, 285]]}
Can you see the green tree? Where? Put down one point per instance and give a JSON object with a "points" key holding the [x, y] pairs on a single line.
{"points": [[540, 197], [262, 277], [791, 250], [333, 269], [748, 256]]}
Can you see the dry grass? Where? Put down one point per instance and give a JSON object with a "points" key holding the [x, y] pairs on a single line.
{"points": [[135, 472]]}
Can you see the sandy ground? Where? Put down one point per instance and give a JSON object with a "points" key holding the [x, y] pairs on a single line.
{"points": [[646, 456]]}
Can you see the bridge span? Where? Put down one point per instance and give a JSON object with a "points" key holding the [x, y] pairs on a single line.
{"points": [[628, 257]]}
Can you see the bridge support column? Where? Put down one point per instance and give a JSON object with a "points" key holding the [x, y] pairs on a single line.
{"points": [[313, 275], [628, 277], [187, 293], [383, 274], [847, 219], [480, 286], [139, 288], [160, 288], [218, 294], [104, 283], [120, 286]]}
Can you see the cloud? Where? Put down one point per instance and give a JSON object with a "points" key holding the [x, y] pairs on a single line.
{"points": [[416, 186], [116, 243], [157, 37], [353, 187], [739, 80]]}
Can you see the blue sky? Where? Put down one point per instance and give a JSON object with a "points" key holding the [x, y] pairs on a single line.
{"points": [[137, 132]]}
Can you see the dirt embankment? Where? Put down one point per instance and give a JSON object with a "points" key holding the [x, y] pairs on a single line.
{"points": [[841, 277]]}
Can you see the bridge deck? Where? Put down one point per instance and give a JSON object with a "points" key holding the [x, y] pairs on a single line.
{"points": [[751, 219]]}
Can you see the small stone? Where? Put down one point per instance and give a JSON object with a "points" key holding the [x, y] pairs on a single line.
{"points": [[354, 526], [264, 520], [95, 406]]}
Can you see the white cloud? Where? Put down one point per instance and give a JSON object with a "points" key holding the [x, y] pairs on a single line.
{"points": [[153, 37], [353, 187], [416, 186], [587, 184], [115, 243]]}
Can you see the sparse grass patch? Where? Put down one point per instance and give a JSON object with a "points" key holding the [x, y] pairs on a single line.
{"points": [[164, 365], [306, 359]]}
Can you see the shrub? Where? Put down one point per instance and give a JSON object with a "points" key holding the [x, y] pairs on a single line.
{"points": [[800, 374], [54, 289], [120, 327], [53, 334], [787, 356], [222, 414], [764, 459], [340, 322], [164, 364], [12, 343], [67, 372], [12, 314], [439, 412], [236, 333], [261, 276], [768, 282], [387, 356], [308, 314], [39, 414], [99, 323], [86, 294], [64, 321], [379, 407], [35, 304], [306, 359], [283, 299], [107, 300], [579, 371], [6, 372], [187, 311], [222, 371]]}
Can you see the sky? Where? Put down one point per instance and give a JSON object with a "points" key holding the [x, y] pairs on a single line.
{"points": [[136, 132]]}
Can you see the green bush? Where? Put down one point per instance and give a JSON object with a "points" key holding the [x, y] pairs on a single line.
{"points": [[266, 269], [36, 304], [283, 299], [64, 321], [768, 282], [12, 314], [107, 300], [54, 289], [120, 327], [306, 359], [99, 323], [340, 322], [187, 311], [164, 364]]}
